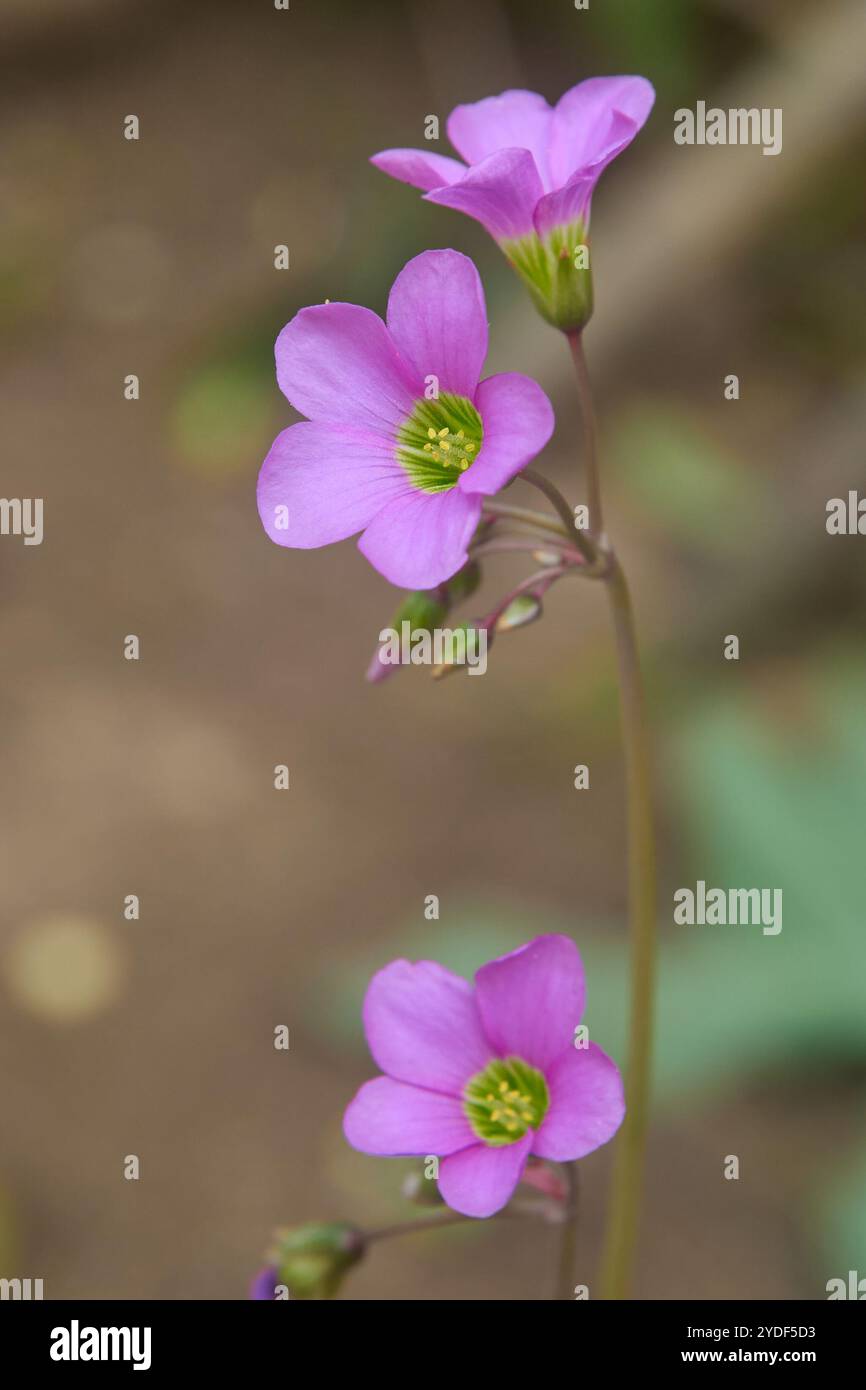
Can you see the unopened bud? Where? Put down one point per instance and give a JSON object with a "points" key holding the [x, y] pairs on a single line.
{"points": [[469, 643], [463, 584], [423, 610], [312, 1260], [520, 611]]}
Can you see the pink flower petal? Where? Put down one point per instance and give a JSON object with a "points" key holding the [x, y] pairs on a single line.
{"points": [[532, 1000], [513, 120], [501, 193], [421, 538], [479, 1181], [582, 125], [567, 204], [391, 1118], [573, 200], [438, 319], [422, 1026], [518, 421], [332, 480], [586, 1104], [421, 168], [336, 363]]}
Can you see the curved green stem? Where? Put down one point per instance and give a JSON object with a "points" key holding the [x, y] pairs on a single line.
{"points": [[622, 1228], [447, 1217], [527, 517], [621, 1237], [556, 499], [522, 544]]}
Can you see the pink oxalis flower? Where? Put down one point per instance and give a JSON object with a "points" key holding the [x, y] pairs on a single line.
{"points": [[529, 177], [402, 440], [483, 1078]]}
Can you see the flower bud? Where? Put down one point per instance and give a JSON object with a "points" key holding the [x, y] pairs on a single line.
{"points": [[476, 640], [463, 584], [523, 609], [264, 1285], [423, 610], [312, 1260]]}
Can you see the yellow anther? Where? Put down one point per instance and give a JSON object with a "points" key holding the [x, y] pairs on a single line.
{"points": [[503, 1087], [470, 448], [431, 433], [445, 445], [442, 433], [460, 434]]}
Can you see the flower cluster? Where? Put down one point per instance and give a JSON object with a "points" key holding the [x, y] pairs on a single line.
{"points": [[404, 442], [402, 439]]}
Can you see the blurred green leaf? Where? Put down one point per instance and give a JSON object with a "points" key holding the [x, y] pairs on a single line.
{"points": [[842, 1211], [219, 410], [773, 792], [679, 477]]}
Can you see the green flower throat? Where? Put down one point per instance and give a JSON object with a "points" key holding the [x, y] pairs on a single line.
{"points": [[505, 1100], [439, 441]]}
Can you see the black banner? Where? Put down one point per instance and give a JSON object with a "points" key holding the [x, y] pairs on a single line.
{"points": [[73, 1338]]}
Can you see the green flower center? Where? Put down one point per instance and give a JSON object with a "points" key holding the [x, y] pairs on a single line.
{"points": [[439, 441], [505, 1100]]}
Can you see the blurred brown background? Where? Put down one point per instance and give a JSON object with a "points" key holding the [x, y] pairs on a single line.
{"points": [[155, 777]]}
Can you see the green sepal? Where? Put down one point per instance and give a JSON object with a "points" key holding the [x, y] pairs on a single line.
{"points": [[561, 290], [422, 610], [463, 584], [313, 1260], [450, 668]]}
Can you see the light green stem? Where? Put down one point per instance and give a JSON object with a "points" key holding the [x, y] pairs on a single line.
{"points": [[622, 1227]]}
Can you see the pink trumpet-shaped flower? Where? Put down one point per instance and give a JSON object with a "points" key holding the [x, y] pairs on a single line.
{"points": [[529, 175], [402, 440], [483, 1078]]}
